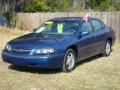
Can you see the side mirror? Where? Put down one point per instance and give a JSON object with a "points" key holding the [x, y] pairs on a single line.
{"points": [[85, 32]]}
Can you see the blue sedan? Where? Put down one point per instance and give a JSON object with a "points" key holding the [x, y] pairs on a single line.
{"points": [[60, 43]]}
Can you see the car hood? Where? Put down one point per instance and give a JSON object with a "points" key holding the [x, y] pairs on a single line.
{"points": [[34, 40]]}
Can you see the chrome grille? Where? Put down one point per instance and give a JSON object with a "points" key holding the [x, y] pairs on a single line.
{"points": [[21, 51]]}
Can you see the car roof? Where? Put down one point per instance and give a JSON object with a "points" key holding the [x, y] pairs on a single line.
{"points": [[69, 19]]}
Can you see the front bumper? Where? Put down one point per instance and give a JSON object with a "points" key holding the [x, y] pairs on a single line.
{"points": [[41, 61]]}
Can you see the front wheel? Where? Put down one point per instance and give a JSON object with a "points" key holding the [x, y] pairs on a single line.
{"points": [[107, 49], [69, 61]]}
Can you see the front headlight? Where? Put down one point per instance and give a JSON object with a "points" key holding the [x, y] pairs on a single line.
{"points": [[44, 51], [8, 47]]}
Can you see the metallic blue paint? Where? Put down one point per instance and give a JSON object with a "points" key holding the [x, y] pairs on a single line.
{"points": [[87, 46]]}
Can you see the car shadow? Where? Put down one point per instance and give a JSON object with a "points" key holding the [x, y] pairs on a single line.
{"points": [[89, 59], [34, 70]]}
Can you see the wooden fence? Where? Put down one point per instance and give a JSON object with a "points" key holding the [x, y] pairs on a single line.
{"points": [[28, 21]]}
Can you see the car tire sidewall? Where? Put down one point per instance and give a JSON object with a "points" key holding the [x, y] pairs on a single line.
{"points": [[105, 53], [65, 69]]}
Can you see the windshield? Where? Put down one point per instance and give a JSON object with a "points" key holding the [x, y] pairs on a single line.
{"points": [[58, 28]]}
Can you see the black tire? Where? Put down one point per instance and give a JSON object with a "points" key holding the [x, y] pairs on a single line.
{"points": [[69, 68], [107, 48]]}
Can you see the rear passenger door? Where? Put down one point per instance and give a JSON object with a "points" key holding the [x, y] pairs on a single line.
{"points": [[99, 33]]}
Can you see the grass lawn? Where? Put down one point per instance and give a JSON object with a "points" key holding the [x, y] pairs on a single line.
{"points": [[96, 73]]}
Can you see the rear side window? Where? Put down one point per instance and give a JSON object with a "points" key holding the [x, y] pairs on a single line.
{"points": [[97, 25]]}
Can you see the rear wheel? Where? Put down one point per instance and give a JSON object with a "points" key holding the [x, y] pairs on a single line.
{"points": [[107, 49], [69, 61]]}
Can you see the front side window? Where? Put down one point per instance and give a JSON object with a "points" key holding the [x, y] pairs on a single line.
{"points": [[86, 26], [58, 27], [97, 25]]}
